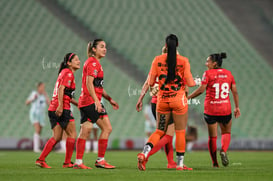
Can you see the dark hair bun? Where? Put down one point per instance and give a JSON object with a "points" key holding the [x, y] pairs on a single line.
{"points": [[223, 55]]}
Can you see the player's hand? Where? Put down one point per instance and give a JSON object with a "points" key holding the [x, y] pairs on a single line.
{"points": [[139, 105], [98, 106], [114, 104], [197, 81], [154, 90], [59, 111], [237, 112]]}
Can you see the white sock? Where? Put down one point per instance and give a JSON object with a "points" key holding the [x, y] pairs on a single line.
{"points": [[95, 146], [87, 146], [36, 142], [63, 144], [100, 159], [189, 146], [146, 150], [78, 161], [180, 160]]}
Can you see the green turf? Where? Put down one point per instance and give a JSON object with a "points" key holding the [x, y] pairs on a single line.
{"points": [[243, 166]]}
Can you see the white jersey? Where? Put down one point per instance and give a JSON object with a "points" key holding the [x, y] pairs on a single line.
{"points": [[39, 104]]}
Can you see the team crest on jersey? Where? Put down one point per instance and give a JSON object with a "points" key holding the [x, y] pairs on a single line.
{"points": [[69, 75], [95, 72], [94, 64]]}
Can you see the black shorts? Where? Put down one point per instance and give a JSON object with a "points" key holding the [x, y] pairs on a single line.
{"points": [[220, 119], [153, 107], [88, 113], [63, 120]]}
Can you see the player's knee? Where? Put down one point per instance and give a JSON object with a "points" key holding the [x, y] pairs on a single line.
{"points": [[160, 132]]}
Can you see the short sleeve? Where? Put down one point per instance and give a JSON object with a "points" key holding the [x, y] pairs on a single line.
{"points": [[153, 68], [32, 95], [205, 78], [67, 79], [92, 69], [187, 71], [232, 80]]}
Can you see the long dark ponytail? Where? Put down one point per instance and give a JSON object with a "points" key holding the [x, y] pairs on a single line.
{"points": [[67, 58], [171, 44], [218, 58]]}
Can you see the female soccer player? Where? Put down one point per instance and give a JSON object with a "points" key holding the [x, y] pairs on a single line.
{"points": [[59, 112], [92, 111], [217, 82], [165, 141], [171, 70], [38, 100]]}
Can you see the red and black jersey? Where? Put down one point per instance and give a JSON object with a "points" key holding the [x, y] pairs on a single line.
{"points": [[219, 82], [66, 78], [92, 67]]}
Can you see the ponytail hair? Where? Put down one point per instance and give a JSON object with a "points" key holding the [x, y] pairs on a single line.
{"points": [[92, 45], [218, 58], [67, 58], [171, 44]]}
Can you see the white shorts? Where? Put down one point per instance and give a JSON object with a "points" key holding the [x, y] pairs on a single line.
{"points": [[37, 118]]}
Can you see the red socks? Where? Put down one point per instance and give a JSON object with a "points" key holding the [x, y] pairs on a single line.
{"points": [[225, 141], [47, 149], [80, 146], [102, 147], [155, 137], [213, 149], [70, 142]]}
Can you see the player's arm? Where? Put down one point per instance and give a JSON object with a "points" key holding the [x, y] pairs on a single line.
{"points": [[59, 110], [188, 76], [74, 102], [91, 90], [47, 98], [111, 101], [198, 91], [31, 98], [234, 91], [144, 90]]}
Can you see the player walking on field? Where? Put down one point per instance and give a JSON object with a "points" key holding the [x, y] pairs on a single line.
{"points": [[60, 116], [217, 82], [171, 70], [92, 111]]}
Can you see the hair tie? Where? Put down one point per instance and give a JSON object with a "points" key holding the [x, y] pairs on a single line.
{"points": [[70, 56]]}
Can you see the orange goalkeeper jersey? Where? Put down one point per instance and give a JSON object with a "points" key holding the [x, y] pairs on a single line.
{"points": [[169, 92]]}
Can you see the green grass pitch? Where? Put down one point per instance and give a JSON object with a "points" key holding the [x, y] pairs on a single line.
{"points": [[19, 166]]}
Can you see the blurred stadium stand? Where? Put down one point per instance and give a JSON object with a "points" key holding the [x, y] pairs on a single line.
{"points": [[34, 41]]}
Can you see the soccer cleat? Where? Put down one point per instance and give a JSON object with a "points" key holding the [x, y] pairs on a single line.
{"points": [[141, 164], [103, 164], [183, 168], [81, 166], [68, 165], [171, 165], [224, 158], [42, 164]]}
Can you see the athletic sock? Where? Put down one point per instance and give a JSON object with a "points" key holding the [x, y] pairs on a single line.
{"points": [[180, 142], [213, 149], [80, 146], [63, 145], [47, 149], [155, 137], [70, 143], [162, 142], [180, 159], [36, 142], [102, 147], [87, 146], [169, 149], [95, 146], [225, 140]]}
